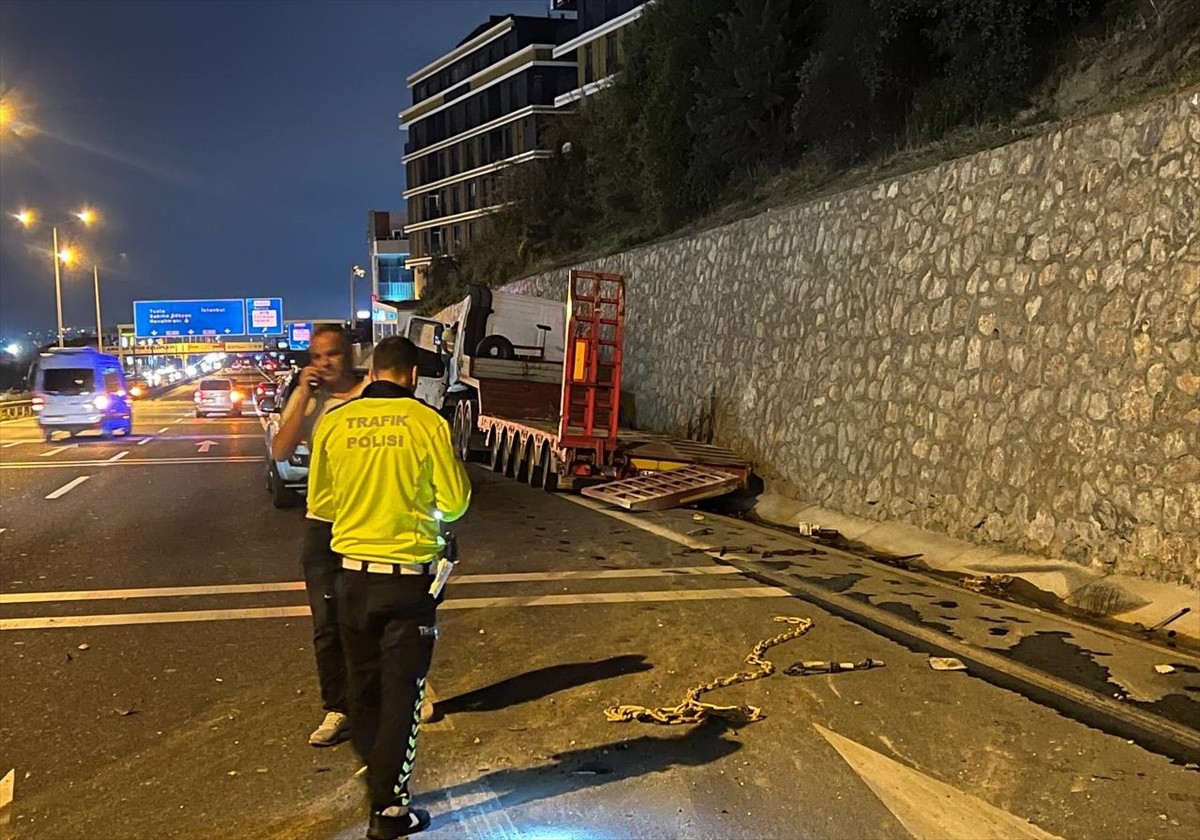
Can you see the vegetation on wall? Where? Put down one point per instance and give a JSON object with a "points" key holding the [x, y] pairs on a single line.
{"points": [[719, 97]]}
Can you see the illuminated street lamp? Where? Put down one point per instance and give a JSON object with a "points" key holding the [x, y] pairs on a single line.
{"points": [[61, 256], [355, 271]]}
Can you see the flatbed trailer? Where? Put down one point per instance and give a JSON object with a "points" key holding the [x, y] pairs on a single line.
{"points": [[555, 425]]}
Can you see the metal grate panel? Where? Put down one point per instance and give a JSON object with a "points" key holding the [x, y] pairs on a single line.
{"points": [[660, 491]]}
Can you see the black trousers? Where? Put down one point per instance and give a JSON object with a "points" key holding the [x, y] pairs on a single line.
{"points": [[389, 624], [321, 570]]}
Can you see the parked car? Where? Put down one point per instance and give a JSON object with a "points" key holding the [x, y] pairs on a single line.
{"points": [[286, 480], [218, 396]]}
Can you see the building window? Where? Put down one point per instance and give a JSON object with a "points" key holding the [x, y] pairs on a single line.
{"points": [[536, 93], [472, 195], [436, 243], [433, 206], [588, 72], [395, 281], [610, 53]]}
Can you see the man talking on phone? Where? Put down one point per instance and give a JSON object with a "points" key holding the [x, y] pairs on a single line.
{"points": [[327, 381]]}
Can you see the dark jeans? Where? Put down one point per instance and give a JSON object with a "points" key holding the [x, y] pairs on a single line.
{"points": [[321, 570], [388, 627]]}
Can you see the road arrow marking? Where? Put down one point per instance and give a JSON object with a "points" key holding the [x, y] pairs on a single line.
{"points": [[205, 445], [927, 807]]}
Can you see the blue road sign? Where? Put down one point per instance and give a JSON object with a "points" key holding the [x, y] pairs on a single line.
{"points": [[299, 334], [186, 318], [264, 316]]}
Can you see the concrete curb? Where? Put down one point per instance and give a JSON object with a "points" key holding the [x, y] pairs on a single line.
{"points": [[1122, 598]]}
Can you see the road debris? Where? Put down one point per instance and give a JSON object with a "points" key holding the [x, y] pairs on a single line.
{"points": [[946, 663], [788, 552], [699, 532], [84, 646], [691, 710], [803, 669], [697, 517], [132, 710], [1168, 620], [1165, 669], [987, 584]]}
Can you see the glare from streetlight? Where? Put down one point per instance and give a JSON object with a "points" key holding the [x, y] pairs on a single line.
{"points": [[14, 115], [25, 217], [87, 215], [66, 256]]}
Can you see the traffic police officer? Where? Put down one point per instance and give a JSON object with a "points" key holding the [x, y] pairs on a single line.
{"points": [[383, 471]]}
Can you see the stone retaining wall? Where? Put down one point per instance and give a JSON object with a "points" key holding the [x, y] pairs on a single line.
{"points": [[1005, 348]]}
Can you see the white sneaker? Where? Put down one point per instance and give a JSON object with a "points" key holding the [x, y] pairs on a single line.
{"points": [[333, 730]]}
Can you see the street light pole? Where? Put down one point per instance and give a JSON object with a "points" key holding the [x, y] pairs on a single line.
{"points": [[58, 287], [355, 271], [99, 327]]}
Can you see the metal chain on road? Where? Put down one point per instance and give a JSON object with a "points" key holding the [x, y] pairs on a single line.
{"points": [[692, 710]]}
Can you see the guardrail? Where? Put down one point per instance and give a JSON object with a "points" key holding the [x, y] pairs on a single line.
{"points": [[15, 409]]}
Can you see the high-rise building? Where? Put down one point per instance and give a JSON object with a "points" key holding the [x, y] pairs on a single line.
{"points": [[597, 43], [481, 107]]}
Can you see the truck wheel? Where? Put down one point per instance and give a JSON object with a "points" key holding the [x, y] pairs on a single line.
{"points": [[524, 455], [550, 475], [537, 465], [499, 444], [496, 347], [464, 429]]}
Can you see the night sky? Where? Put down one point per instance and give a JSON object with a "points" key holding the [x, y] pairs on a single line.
{"points": [[233, 148]]}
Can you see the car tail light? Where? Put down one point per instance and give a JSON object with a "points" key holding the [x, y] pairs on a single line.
{"points": [[135, 391], [197, 397], [38, 403], [236, 396], [101, 402]]}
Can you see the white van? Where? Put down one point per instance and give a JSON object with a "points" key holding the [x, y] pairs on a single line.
{"points": [[77, 389]]}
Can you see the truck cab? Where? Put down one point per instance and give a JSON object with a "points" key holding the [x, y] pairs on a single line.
{"points": [[491, 325]]}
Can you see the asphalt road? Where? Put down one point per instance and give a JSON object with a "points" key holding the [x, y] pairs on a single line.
{"points": [[156, 674]]}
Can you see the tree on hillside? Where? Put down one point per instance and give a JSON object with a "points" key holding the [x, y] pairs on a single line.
{"points": [[750, 88], [668, 52]]}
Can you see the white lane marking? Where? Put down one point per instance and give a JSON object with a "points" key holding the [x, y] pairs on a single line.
{"points": [[2, 530], [298, 585], [182, 616], [144, 441], [163, 429], [118, 456], [927, 807], [15, 443], [68, 487], [130, 462], [152, 592], [6, 788], [53, 451]]}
